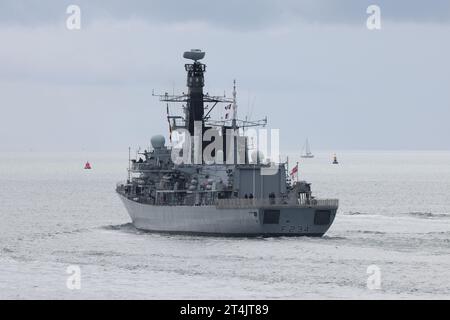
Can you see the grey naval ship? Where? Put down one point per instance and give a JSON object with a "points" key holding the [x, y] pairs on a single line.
{"points": [[239, 193]]}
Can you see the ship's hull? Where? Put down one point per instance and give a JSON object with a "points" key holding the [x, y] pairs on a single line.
{"points": [[247, 222]]}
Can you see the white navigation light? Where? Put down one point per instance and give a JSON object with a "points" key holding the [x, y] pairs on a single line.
{"points": [[194, 54]]}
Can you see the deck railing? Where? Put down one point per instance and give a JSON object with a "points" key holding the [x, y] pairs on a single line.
{"points": [[275, 202]]}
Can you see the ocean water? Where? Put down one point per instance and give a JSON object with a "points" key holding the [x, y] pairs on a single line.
{"points": [[394, 214]]}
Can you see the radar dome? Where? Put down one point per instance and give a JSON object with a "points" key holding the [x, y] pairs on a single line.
{"points": [[158, 141], [194, 54]]}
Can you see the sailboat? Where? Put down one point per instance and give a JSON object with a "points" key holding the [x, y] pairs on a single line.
{"points": [[307, 149]]}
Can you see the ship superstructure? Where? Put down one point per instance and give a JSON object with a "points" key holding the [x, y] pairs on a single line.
{"points": [[211, 182]]}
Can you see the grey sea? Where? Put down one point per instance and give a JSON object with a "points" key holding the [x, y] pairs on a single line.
{"points": [[394, 217]]}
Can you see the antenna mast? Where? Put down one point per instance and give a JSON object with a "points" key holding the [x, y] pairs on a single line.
{"points": [[129, 164], [233, 123]]}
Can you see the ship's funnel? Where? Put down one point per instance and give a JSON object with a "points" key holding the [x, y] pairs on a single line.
{"points": [[194, 54]]}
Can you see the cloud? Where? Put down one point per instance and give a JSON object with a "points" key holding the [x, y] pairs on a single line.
{"points": [[311, 66], [343, 86], [231, 14]]}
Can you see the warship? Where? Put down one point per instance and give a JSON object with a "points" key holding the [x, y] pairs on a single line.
{"points": [[174, 188]]}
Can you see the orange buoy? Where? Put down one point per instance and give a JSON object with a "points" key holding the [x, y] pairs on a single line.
{"points": [[87, 166]]}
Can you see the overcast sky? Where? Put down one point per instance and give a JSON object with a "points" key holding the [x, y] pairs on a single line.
{"points": [[311, 66]]}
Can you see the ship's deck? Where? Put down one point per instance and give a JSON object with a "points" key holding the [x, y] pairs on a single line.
{"points": [[189, 199]]}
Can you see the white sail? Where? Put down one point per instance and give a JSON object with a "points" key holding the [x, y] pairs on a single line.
{"points": [[307, 149]]}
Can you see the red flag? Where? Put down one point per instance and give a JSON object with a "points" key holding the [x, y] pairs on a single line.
{"points": [[294, 170]]}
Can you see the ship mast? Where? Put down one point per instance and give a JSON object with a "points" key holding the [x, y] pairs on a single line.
{"points": [[233, 123], [195, 99], [195, 82]]}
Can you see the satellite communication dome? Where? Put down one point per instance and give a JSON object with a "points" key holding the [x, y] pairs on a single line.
{"points": [[158, 141]]}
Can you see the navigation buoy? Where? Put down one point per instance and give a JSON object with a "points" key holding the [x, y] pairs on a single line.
{"points": [[335, 161], [87, 166]]}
